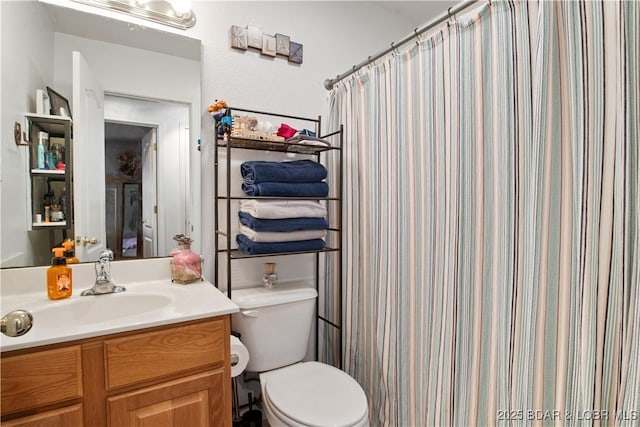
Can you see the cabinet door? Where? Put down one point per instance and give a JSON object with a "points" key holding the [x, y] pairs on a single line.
{"points": [[198, 400], [70, 416]]}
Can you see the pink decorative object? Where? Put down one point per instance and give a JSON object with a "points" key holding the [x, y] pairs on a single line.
{"points": [[186, 265]]}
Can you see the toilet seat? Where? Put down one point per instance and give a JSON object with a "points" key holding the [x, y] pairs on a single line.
{"points": [[281, 420], [314, 394]]}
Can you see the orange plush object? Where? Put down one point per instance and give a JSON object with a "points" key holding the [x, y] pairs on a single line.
{"points": [[217, 105]]}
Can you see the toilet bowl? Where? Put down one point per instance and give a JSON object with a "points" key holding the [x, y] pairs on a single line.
{"points": [[312, 394], [275, 326]]}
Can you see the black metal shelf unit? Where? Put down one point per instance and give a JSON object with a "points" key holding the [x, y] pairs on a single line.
{"points": [[227, 144], [43, 179]]}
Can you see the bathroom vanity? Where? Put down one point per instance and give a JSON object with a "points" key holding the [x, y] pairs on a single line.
{"points": [[179, 373], [171, 369]]}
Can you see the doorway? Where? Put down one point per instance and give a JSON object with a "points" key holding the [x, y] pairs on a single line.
{"points": [[130, 170], [165, 189]]}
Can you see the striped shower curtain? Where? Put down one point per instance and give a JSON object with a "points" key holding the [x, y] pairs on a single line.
{"points": [[491, 216]]}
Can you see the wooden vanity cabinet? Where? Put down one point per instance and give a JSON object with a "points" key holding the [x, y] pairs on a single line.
{"points": [[175, 375]]}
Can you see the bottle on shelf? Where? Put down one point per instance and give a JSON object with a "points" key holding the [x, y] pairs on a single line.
{"points": [[46, 205], [43, 139], [56, 213], [63, 203], [51, 160], [57, 148], [270, 278]]}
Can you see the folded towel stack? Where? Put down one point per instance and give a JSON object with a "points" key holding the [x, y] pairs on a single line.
{"points": [[300, 178], [282, 209], [276, 226]]}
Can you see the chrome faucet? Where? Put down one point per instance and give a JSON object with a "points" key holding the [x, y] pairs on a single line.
{"points": [[103, 284]]}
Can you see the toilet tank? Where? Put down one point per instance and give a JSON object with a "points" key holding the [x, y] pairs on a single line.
{"points": [[274, 324]]}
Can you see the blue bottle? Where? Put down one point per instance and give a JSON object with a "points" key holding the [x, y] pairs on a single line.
{"points": [[42, 138], [40, 155]]}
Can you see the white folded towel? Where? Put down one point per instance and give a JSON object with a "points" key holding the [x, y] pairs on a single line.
{"points": [[281, 209], [282, 236]]}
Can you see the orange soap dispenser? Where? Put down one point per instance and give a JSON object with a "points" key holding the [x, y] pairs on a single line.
{"points": [[59, 278], [69, 253]]}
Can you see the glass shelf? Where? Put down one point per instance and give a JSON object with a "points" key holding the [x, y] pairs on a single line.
{"points": [[49, 172], [52, 224]]}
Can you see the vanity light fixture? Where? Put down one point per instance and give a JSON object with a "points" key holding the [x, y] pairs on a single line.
{"points": [[175, 13]]}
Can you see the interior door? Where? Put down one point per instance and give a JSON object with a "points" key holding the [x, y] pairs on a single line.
{"points": [[149, 204], [88, 162]]}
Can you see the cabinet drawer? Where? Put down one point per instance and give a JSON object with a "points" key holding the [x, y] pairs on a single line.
{"points": [[70, 416], [130, 360], [42, 378]]}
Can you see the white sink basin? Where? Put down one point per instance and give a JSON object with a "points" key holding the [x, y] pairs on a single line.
{"points": [[101, 308], [144, 304]]}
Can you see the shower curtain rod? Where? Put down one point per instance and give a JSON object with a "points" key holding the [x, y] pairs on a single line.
{"points": [[449, 14]]}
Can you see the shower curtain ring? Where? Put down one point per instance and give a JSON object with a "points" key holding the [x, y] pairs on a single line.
{"points": [[451, 17], [394, 49]]}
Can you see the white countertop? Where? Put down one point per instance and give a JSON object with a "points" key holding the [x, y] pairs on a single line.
{"points": [[151, 299]]}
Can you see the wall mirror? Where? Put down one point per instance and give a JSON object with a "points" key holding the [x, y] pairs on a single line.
{"points": [[158, 186]]}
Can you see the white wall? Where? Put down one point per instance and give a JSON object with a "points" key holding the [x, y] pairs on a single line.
{"points": [[335, 35], [27, 55]]}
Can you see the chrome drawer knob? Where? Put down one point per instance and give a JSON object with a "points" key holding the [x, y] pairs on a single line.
{"points": [[16, 323]]}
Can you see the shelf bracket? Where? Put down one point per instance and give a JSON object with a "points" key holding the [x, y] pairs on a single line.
{"points": [[19, 136]]}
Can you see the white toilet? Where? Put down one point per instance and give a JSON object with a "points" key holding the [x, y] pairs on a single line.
{"points": [[275, 326]]}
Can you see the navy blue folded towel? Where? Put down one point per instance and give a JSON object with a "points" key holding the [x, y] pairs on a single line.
{"points": [[287, 224], [286, 189], [250, 247], [296, 171]]}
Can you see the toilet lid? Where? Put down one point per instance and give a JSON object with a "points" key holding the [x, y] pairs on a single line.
{"points": [[316, 394]]}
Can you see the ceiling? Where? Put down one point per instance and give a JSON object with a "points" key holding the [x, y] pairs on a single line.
{"points": [[75, 19], [123, 132]]}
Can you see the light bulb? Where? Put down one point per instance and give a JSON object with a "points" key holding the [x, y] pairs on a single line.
{"points": [[181, 6]]}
